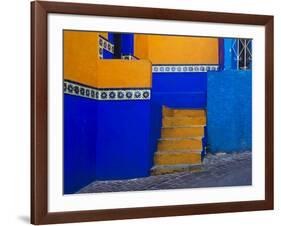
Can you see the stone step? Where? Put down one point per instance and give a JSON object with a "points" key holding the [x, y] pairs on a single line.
{"points": [[168, 169], [182, 112], [168, 121], [179, 144], [180, 138], [177, 132], [177, 157]]}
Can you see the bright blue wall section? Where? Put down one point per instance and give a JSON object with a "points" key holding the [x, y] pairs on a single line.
{"points": [[106, 140], [107, 54], [180, 90], [123, 140], [127, 44], [79, 142], [229, 111], [110, 37], [155, 127], [228, 58]]}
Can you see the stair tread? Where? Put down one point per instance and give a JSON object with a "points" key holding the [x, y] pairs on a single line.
{"points": [[183, 144], [181, 138], [183, 112], [186, 151], [174, 166], [187, 126], [185, 109], [180, 145], [188, 116], [180, 150], [183, 121]]}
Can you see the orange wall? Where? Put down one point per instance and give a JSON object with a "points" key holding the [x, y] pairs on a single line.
{"points": [[124, 74], [141, 46], [80, 56], [161, 49], [82, 64]]}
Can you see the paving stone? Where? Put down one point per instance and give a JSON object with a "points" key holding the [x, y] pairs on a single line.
{"points": [[220, 170]]}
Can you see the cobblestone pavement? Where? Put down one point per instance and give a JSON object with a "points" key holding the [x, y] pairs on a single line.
{"points": [[218, 170]]}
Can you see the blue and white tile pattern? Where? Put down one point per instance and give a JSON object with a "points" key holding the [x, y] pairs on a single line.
{"points": [[104, 44], [184, 68], [76, 89]]}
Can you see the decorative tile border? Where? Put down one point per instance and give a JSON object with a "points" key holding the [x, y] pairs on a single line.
{"points": [[184, 68], [104, 44], [129, 57], [77, 89]]}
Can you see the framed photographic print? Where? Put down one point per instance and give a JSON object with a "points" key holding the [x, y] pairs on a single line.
{"points": [[146, 112]]}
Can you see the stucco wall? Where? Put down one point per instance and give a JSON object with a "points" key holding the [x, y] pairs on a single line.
{"points": [[80, 130], [163, 49], [104, 139], [180, 90], [229, 111]]}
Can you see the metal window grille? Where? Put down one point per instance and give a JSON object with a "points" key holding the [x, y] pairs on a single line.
{"points": [[242, 49]]}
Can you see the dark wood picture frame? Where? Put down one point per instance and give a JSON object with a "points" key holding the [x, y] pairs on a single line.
{"points": [[39, 109]]}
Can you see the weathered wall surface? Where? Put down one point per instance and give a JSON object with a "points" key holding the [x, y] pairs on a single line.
{"points": [[229, 108]]}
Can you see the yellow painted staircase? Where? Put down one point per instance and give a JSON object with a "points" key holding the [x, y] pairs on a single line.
{"points": [[180, 146]]}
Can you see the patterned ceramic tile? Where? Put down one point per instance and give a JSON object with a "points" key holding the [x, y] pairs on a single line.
{"points": [[104, 44], [184, 68], [76, 89]]}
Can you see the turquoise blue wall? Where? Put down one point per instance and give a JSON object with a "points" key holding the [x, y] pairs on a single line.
{"points": [[229, 111]]}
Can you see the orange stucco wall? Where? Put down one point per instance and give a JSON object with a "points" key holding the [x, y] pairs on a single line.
{"points": [[160, 49], [80, 56], [82, 64], [124, 73]]}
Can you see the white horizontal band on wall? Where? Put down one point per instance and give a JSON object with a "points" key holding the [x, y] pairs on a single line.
{"points": [[75, 89], [178, 68]]}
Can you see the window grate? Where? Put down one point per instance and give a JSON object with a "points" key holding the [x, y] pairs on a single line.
{"points": [[242, 49]]}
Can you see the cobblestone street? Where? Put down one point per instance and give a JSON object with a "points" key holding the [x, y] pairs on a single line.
{"points": [[218, 170]]}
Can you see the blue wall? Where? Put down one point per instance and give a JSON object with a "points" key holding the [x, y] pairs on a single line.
{"points": [[177, 90], [127, 44], [79, 142], [229, 109], [123, 140], [180, 90], [155, 127], [106, 140], [107, 54]]}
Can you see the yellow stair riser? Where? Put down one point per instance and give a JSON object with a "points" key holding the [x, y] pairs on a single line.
{"points": [[182, 112], [183, 121], [160, 171], [168, 145], [177, 158], [182, 132]]}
